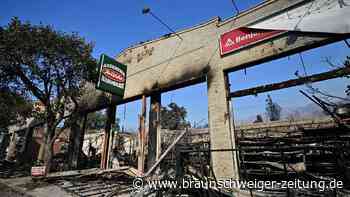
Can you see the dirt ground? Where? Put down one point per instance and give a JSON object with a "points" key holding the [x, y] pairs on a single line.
{"points": [[6, 191]]}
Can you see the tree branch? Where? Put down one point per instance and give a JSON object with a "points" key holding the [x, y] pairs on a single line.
{"points": [[28, 83]]}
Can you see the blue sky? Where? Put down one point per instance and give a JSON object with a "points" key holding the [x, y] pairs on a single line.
{"points": [[114, 25]]}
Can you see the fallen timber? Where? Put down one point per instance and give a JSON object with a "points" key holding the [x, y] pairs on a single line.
{"points": [[93, 182], [336, 73], [316, 153], [304, 150]]}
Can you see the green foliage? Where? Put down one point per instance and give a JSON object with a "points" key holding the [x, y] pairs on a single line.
{"points": [[173, 117], [38, 59], [47, 66], [97, 121], [14, 108], [116, 126], [258, 119]]}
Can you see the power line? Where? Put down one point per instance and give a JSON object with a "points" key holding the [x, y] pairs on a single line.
{"points": [[147, 10], [302, 63], [235, 6], [347, 43]]}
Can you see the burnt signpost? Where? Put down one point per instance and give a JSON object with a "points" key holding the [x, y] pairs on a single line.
{"points": [[112, 78]]}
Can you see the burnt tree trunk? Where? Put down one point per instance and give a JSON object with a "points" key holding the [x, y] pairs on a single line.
{"points": [[27, 154], [48, 156], [76, 139], [48, 146]]}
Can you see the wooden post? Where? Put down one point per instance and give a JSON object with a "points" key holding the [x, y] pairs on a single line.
{"points": [[159, 140], [110, 121], [154, 130], [179, 162], [110, 148], [142, 135], [166, 152]]}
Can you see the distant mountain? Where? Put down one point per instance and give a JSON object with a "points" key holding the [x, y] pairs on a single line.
{"points": [[309, 111]]}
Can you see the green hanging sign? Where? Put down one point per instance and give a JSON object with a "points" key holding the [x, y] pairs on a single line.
{"points": [[111, 76]]}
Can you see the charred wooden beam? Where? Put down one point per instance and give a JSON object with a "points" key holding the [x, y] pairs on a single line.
{"points": [[165, 153], [154, 130], [142, 137], [341, 72], [110, 121]]}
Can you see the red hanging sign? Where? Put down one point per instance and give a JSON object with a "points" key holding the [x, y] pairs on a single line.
{"points": [[38, 171], [242, 37]]}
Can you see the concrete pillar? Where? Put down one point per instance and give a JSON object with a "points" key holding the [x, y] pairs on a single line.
{"points": [[154, 130], [221, 137]]}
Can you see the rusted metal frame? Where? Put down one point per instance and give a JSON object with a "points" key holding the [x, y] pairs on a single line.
{"points": [[336, 73]]}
